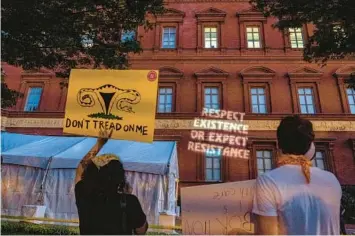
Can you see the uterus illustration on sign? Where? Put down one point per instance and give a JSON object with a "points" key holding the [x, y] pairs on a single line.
{"points": [[110, 99]]}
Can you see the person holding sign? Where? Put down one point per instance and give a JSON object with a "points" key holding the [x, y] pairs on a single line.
{"points": [[296, 198], [103, 198]]}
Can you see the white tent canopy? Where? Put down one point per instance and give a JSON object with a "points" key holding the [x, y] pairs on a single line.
{"points": [[44, 166]]}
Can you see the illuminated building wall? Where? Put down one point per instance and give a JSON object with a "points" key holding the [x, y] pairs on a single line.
{"points": [[221, 55]]}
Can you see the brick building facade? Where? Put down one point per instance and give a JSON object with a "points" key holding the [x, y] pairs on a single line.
{"points": [[220, 54]]}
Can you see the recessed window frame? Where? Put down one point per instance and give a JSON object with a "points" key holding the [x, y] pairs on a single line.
{"points": [[244, 36], [255, 144], [163, 34], [253, 77], [295, 31], [350, 95], [29, 89], [341, 75], [296, 83], [320, 156], [287, 39], [170, 76], [262, 157], [266, 88], [211, 17], [207, 26], [159, 33], [173, 99], [173, 87], [211, 77], [124, 31], [220, 91], [215, 87], [220, 163], [35, 79], [259, 33], [303, 92], [326, 146], [170, 18]]}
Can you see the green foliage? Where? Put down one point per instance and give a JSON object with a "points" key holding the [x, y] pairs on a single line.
{"points": [[334, 21], [8, 96], [23, 228], [105, 116], [348, 203], [65, 34], [351, 81]]}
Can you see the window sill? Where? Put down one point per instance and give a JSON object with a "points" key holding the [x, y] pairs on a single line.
{"points": [[254, 49], [258, 114], [31, 111], [211, 49], [168, 49], [307, 114], [167, 112], [295, 49], [213, 181]]}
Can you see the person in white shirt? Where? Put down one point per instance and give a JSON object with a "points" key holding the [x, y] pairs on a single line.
{"points": [[296, 198]]}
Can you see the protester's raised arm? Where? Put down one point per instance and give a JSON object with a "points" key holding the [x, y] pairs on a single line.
{"points": [[101, 141]]}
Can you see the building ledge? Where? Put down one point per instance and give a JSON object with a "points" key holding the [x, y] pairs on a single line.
{"points": [[190, 115]]}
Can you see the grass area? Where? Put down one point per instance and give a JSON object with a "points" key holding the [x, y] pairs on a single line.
{"points": [[25, 228], [105, 116]]}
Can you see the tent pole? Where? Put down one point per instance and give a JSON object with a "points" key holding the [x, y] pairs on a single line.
{"points": [[177, 190], [41, 198]]}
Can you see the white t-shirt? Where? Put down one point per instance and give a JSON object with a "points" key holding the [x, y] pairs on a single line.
{"points": [[301, 208]]}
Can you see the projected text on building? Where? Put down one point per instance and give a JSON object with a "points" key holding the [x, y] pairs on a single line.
{"points": [[227, 137]]}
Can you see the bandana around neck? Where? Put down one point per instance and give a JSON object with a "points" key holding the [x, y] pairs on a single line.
{"points": [[104, 159], [301, 160]]}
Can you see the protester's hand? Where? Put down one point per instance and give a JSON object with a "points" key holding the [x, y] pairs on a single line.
{"points": [[104, 136]]}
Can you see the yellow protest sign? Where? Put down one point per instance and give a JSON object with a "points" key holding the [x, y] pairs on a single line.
{"points": [[122, 100]]}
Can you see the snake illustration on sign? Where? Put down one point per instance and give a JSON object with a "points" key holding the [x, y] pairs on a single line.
{"points": [[120, 100], [109, 96]]}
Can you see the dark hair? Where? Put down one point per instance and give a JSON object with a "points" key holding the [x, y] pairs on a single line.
{"points": [[106, 181], [295, 135]]}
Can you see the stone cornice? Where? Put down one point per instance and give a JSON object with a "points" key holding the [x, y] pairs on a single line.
{"points": [[252, 140], [186, 116], [171, 15], [37, 73], [211, 72], [170, 72], [211, 15], [257, 71], [326, 141], [345, 71], [175, 124], [303, 72], [305, 75], [251, 15]]}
